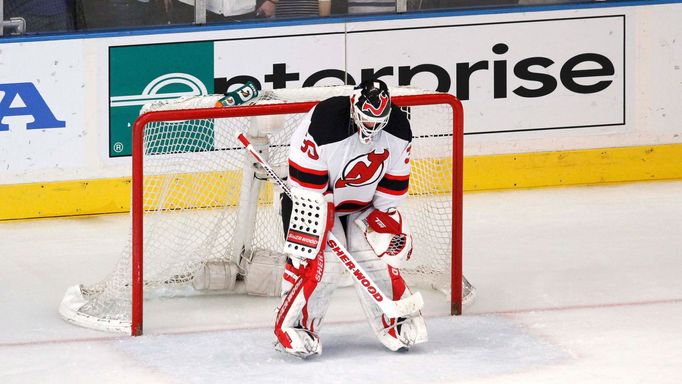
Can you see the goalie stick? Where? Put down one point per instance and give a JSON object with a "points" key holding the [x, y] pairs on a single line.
{"points": [[392, 309]]}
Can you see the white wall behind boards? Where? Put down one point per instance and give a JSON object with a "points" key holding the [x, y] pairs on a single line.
{"points": [[533, 81], [42, 108], [512, 75]]}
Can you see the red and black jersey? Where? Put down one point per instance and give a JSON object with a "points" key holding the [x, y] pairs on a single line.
{"points": [[326, 155]]}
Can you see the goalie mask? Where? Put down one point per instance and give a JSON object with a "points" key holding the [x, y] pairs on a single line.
{"points": [[370, 108]]}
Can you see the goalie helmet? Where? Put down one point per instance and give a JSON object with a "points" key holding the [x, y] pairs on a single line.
{"points": [[370, 108]]}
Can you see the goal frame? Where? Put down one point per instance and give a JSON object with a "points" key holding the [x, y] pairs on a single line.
{"points": [[137, 205]]}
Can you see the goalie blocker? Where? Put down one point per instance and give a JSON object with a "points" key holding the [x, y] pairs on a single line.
{"points": [[311, 218]]}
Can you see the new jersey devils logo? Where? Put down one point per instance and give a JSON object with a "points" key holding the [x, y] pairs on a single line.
{"points": [[376, 111], [362, 170]]}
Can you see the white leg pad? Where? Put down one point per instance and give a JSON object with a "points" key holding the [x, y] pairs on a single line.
{"points": [[302, 343], [397, 333], [402, 333], [394, 333], [306, 293]]}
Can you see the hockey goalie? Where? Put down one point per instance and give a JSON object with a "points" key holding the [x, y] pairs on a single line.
{"points": [[349, 171]]}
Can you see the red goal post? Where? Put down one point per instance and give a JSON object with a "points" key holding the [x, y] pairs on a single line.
{"points": [[276, 109]]}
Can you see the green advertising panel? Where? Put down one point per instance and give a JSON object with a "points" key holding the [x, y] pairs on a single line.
{"points": [[143, 74]]}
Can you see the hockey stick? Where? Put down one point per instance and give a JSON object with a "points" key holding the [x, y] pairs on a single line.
{"points": [[392, 309]]}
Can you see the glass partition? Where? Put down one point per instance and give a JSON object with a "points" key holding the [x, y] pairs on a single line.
{"points": [[30, 17]]}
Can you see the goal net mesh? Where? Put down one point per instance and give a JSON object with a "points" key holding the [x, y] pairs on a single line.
{"points": [[205, 201]]}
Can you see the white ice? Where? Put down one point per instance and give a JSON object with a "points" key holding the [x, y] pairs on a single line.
{"points": [[575, 285]]}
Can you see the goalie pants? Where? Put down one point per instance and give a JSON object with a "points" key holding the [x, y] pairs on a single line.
{"points": [[322, 276]]}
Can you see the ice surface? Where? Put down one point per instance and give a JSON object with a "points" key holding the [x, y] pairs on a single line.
{"points": [[575, 285]]}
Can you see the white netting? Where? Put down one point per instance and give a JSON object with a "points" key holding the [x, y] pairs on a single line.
{"points": [[206, 201]]}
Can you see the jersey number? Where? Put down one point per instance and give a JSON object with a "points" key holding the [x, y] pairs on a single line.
{"points": [[308, 148]]}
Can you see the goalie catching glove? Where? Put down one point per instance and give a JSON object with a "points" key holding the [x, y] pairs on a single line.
{"points": [[387, 234], [312, 217]]}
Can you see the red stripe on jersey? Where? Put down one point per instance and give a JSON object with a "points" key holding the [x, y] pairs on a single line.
{"points": [[395, 185], [319, 187], [397, 177], [308, 178], [391, 191], [351, 205], [311, 171]]}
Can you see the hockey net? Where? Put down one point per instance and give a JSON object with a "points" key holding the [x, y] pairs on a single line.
{"points": [[202, 209]]}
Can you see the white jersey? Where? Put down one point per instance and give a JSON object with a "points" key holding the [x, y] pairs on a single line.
{"points": [[326, 155]]}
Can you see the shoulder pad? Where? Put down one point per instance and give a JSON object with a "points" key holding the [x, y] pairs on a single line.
{"points": [[398, 125], [330, 121]]}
